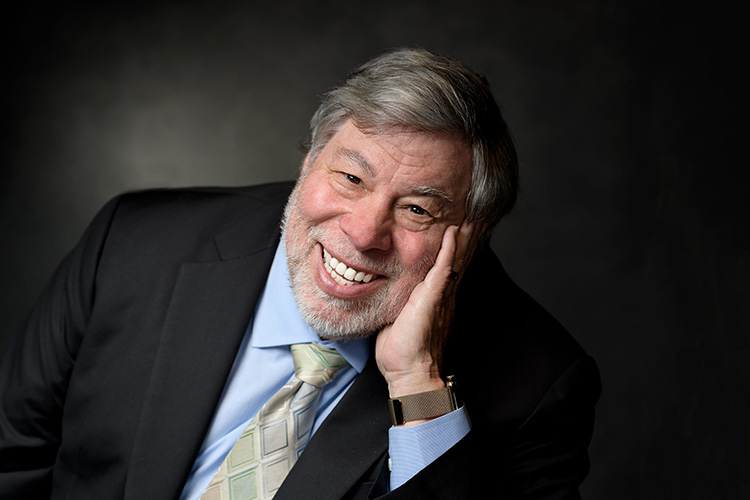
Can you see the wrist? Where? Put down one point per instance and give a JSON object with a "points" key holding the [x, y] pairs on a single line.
{"points": [[414, 384], [417, 408]]}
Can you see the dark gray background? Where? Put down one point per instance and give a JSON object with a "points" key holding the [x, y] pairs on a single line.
{"points": [[630, 229]]}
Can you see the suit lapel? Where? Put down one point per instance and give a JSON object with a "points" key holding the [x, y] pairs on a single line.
{"points": [[350, 441], [209, 311], [208, 315]]}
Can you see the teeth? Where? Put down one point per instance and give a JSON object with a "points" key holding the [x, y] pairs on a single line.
{"points": [[342, 274], [341, 268]]}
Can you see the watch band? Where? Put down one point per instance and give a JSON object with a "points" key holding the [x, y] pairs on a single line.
{"points": [[423, 404]]}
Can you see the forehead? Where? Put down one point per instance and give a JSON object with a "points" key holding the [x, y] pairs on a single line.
{"points": [[404, 157]]}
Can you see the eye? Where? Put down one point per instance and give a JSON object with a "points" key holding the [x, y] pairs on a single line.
{"points": [[417, 210], [415, 218], [353, 179]]}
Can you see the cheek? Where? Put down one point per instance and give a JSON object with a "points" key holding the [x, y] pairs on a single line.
{"points": [[416, 248], [317, 201]]}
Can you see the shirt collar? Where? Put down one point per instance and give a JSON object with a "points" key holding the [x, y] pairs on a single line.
{"points": [[277, 320]]}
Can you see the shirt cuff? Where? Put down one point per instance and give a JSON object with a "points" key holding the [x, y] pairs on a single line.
{"points": [[411, 449]]}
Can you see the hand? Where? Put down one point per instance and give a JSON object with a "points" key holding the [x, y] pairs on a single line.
{"points": [[409, 352]]}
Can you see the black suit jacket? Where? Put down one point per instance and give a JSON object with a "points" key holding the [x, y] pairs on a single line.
{"points": [[110, 389]]}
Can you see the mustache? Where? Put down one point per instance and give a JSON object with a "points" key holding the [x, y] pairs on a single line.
{"points": [[385, 265]]}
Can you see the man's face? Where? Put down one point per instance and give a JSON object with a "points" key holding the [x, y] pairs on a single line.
{"points": [[365, 221]]}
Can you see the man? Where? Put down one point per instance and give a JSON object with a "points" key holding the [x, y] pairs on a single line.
{"points": [[168, 327]]}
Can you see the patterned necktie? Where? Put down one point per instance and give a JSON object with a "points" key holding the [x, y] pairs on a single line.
{"points": [[269, 446]]}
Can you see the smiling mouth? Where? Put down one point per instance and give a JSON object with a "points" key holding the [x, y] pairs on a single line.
{"points": [[343, 274]]}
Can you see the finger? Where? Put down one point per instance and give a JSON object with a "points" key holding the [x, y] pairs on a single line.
{"points": [[448, 248], [466, 243], [439, 277], [463, 241], [452, 241]]}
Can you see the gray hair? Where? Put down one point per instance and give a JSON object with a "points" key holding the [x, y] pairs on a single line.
{"points": [[422, 91]]}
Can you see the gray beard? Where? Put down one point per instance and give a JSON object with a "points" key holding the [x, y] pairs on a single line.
{"points": [[340, 319]]}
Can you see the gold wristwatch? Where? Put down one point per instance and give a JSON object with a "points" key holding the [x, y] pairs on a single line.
{"points": [[423, 405]]}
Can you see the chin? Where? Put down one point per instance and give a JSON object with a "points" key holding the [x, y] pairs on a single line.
{"points": [[343, 319]]}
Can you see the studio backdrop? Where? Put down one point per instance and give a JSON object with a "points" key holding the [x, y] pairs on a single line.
{"points": [[631, 227]]}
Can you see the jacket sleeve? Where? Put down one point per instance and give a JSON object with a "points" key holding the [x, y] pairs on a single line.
{"points": [[36, 366], [546, 458], [549, 457]]}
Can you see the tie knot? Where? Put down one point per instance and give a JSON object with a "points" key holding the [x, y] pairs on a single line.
{"points": [[315, 364]]}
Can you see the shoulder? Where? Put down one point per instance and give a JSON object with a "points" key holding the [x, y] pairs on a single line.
{"points": [[154, 228], [202, 200], [509, 348], [187, 213]]}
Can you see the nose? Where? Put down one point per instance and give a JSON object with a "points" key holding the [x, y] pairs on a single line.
{"points": [[368, 225]]}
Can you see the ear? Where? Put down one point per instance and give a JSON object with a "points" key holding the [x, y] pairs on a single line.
{"points": [[306, 164]]}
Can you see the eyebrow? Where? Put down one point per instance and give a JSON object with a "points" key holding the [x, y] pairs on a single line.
{"points": [[365, 165], [434, 193], [357, 158]]}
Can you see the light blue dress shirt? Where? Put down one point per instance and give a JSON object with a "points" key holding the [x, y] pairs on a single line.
{"points": [[264, 364]]}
